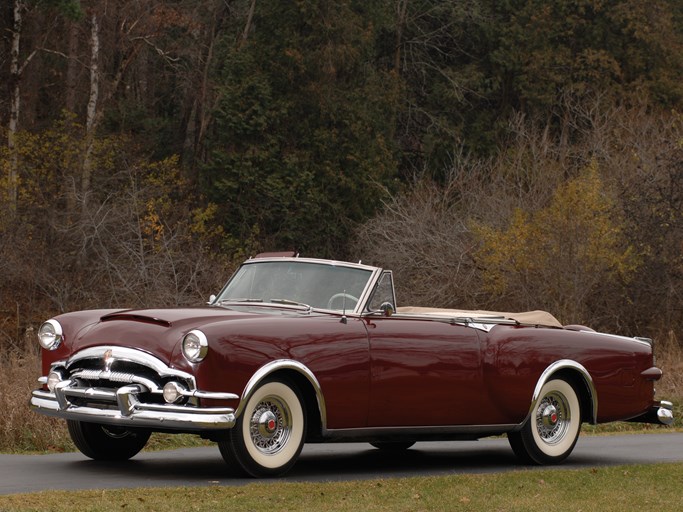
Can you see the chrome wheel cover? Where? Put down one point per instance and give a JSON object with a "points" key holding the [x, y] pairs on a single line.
{"points": [[553, 417], [270, 425]]}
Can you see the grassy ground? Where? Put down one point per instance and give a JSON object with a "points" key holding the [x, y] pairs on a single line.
{"points": [[615, 489]]}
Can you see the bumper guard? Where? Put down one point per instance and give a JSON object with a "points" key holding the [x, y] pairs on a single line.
{"points": [[660, 414]]}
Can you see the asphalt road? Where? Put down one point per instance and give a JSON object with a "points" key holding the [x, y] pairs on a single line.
{"points": [[325, 462]]}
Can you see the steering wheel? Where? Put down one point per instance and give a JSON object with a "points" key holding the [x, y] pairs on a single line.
{"points": [[339, 296]]}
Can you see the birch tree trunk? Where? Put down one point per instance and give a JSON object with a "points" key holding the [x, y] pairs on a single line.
{"points": [[16, 70], [91, 112], [15, 106], [72, 68]]}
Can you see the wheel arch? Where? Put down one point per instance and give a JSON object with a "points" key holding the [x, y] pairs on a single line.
{"points": [[579, 377], [305, 381]]}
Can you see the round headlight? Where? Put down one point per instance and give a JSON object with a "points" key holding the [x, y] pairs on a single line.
{"points": [[195, 346], [50, 334]]}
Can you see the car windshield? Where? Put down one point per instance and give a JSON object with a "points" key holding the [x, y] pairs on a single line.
{"points": [[317, 285]]}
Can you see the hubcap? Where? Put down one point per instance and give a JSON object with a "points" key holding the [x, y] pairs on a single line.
{"points": [[550, 416], [270, 425], [267, 424], [553, 418]]}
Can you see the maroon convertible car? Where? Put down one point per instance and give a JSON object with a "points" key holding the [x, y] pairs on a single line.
{"points": [[297, 350]]}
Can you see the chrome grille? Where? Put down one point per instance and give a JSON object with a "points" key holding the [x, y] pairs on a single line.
{"points": [[97, 373]]}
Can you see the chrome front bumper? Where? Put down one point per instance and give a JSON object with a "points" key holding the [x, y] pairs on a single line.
{"points": [[128, 411], [121, 386]]}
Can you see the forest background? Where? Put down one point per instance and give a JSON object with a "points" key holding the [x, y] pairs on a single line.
{"points": [[496, 154]]}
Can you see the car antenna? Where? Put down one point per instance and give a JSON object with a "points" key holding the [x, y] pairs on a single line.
{"points": [[344, 320]]}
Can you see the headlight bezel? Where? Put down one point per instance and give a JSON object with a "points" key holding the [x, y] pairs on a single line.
{"points": [[50, 334], [195, 346]]}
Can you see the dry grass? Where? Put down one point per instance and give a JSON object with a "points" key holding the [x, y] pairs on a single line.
{"points": [[22, 430], [669, 352], [610, 489]]}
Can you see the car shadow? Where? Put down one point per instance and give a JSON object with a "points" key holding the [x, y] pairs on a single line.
{"points": [[419, 460], [197, 466]]}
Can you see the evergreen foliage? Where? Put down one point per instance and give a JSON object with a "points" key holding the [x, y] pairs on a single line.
{"points": [[301, 142]]}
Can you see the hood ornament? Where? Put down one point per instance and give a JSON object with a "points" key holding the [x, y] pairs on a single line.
{"points": [[108, 359]]}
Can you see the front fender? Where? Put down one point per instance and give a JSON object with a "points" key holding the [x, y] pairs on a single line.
{"points": [[283, 365]]}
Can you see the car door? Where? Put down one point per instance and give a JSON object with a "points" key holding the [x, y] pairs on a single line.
{"points": [[424, 372]]}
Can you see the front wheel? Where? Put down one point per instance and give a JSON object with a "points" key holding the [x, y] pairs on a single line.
{"points": [[269, 434], [551, 432], [103, 442]]}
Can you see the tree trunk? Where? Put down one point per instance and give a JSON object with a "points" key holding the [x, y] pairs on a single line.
{"points": [[72, 68], [91, 112], [15, 106], [247, 26], [199, 117], [72, 72], [401, 11]]}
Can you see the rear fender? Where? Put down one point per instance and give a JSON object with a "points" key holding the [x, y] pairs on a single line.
{"points": [[575, 373]]}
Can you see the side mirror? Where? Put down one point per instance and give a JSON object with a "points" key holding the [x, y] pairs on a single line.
{"points": [[387, 308], [212, 299]]}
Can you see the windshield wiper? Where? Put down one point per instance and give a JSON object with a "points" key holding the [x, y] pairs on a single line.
{"points": [[239, 299], [292, 303]]}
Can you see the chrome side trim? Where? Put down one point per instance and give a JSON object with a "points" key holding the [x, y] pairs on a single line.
{"points": [[550, 371], [284, 364], [443, 432], [211, 395]]}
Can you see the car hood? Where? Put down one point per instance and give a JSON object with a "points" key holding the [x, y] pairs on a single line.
{"points": [[156, 331]]}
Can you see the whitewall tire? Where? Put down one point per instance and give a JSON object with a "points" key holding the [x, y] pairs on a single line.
{"points": [[269, 434], [552, 430]]}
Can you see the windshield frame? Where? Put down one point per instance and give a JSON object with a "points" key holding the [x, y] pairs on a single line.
{"points": [[350, 309]]}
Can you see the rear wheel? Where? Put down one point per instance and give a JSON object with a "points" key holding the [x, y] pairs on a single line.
{"points": [[552, 430], [269, 434], [104, 442]]}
